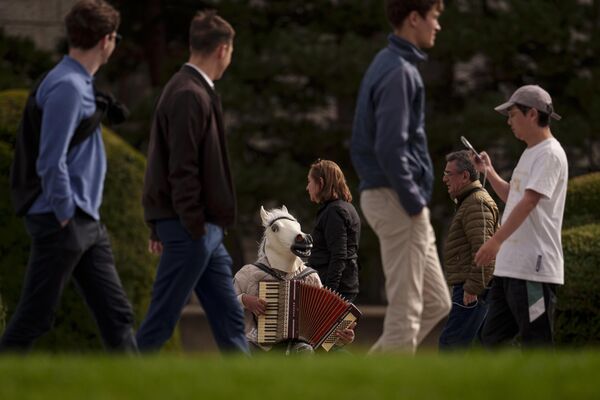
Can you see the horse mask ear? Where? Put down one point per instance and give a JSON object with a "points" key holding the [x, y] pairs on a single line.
{"points": [[284, 209], [264, 216]]}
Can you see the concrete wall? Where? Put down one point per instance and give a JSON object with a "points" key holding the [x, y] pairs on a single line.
{"points": [[40, 20]]}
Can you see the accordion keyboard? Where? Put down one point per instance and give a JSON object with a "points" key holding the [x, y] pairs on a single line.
{"points": [[332, 338], [268, 323]]}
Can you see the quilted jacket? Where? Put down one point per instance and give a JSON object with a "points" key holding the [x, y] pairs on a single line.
{"points": [[475, 221]]}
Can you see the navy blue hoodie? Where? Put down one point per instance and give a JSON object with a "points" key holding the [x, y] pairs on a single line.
{"points": [[389, 144]]}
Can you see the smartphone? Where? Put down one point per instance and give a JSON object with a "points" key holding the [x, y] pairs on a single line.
{"points": [[469, 146]]}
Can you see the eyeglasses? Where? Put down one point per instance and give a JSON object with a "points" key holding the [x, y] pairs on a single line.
{"points": [[450, 173], [117, 37]]}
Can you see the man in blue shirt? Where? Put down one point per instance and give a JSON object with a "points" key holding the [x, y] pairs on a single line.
{"points": [[389, 152], [63, 221]]}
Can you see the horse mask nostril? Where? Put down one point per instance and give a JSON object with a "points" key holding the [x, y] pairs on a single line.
{"points": [[299, 238]]}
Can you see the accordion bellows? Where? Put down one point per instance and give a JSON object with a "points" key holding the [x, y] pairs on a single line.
{"points": [[299, 311]]}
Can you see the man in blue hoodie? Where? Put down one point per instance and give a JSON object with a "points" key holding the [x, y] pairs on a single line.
{"points": [[389, 152]]}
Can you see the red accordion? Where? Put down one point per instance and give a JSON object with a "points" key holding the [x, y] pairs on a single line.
{"points": [[299, 311]]}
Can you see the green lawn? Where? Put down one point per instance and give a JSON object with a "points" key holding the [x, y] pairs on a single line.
{"points": [[505, 376]]}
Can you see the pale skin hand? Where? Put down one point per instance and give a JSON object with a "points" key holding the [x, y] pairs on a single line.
{"points": [[487, 252], [254, 304], [469, 298], [484, 164], [346, 336], [155, 246]]}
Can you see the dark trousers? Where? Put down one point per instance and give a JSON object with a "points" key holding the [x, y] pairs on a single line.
{"points": [[187, 265], [80, 250], [514, 312], [464, 321]]}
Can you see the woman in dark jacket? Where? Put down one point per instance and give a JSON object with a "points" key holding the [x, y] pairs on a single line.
{"points": [[337, 230]]}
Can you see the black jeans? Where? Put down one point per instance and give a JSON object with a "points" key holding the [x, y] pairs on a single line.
{"points": [[82, 250], [513, 311]]}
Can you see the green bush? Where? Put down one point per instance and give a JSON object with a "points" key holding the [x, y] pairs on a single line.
{"points": [[121, 212], [583, 198], [578, 316], [22, 63], [578, 310]]}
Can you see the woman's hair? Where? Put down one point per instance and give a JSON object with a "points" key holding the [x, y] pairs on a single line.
{"points": [[334, 182]]}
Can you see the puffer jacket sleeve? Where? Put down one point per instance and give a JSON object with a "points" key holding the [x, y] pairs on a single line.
{"points": [[480, 221]]}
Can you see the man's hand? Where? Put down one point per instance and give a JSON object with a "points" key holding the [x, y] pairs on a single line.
{"points": [[487, 252], [64, 223], [346, 336], [254, 304], [155, 246], [469, 298], [481, 163]]}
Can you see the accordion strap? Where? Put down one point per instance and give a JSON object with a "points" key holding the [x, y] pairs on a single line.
{"points": [[279, 276], [269, 271], [305, 272]]}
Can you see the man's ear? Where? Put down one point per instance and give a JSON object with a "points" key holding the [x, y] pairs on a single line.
{"points": [[105, 41], [222, 50], [533, 114], [413, 18]]}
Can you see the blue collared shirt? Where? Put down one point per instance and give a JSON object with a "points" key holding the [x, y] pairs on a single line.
{"points": [[73, 178]]}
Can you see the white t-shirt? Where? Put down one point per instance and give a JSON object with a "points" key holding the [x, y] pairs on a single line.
{"points": [[534, 251]]}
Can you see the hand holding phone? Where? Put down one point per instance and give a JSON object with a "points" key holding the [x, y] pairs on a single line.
{"points": [[469, 146]]}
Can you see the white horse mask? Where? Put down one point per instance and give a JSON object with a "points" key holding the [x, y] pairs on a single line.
{"points": [[283, 240]]}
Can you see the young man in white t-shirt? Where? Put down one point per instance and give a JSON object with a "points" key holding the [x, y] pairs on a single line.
{"points": [[527, 247]]}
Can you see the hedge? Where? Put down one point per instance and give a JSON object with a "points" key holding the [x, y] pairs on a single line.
{"points": [[578, 310], [583, 199], [121, 212]]}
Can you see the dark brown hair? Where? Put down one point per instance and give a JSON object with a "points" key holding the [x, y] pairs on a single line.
{"points": [[208, 31], [543, 118], [334, 182], [397, 10], [88, 21]]}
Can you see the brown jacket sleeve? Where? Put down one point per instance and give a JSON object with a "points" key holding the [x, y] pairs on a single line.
{"points": [[474, 222], [187, 124]]}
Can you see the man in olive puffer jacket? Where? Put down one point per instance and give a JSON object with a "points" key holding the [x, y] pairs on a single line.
{"points": [[475, 221]]}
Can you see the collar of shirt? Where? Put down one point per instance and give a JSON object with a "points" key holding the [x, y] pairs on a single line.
{"points": [[76, 65], [210, 82]]}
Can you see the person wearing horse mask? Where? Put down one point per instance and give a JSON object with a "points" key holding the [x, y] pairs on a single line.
{"points": [[279, 253]]}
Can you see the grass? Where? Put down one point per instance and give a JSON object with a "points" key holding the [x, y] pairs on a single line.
{"points": [[503, 375]]}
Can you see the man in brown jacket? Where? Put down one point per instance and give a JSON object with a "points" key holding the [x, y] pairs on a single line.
{"points": [[189, 197], [475, 221]]}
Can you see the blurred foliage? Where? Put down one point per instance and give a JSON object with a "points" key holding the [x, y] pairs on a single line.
{"points": [[578, 310], [121, 212], [583, 198], [290, 92], [22, 63]]}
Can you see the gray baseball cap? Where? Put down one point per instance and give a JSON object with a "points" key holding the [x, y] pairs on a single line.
{"points": [[530, 96]]}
